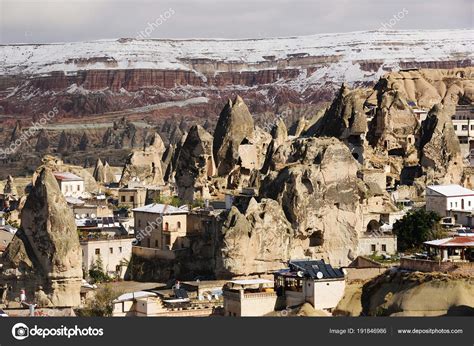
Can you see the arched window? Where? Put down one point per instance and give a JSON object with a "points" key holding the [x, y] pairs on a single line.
{"points": [[166, 226], [179, 225]]}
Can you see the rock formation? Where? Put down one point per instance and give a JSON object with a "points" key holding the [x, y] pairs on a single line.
{"points": [[65, 143], [42, 143], [10, 188], [103, 173], [234, 125], [397, 293], [256, 241], [439, 146], [316, 183], [145, 164], [45, 250], [84, 142], [195, 165]]}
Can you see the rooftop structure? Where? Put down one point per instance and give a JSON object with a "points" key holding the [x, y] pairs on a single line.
{"points": [[312, 281], [451, 200], [253, 297], [67, 176], [156, 208], [70, 184], [451, 190]]}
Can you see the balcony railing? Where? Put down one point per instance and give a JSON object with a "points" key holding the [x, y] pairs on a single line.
{"points": [[232, 295]]}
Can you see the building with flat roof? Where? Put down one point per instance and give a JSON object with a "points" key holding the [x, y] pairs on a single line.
{"points": [[114, 253], [252, 297], [311, 281], [70, 184], [132, 197], [451, 200], [165, 227]]}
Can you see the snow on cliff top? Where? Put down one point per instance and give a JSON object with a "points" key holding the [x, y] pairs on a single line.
{"points": [[388, 46]]}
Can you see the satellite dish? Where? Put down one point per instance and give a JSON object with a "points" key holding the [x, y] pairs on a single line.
{"points": [[77, 216], [300, 273], [83, 216], [93, 216], [319, 275]]}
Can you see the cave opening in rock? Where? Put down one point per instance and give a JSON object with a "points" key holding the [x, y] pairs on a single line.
{"points": [[373, 226], [316, 239]]}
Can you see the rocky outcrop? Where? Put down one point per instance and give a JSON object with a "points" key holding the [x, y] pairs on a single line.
{"points": [[315, 181], [397, 293], [45, 250], [440, 151], [427, 87], [65, 143], [145, 165], [279, 132], [10, 188], [234, 125], [103, 173], [195, 165], [84, 142], [166, 161], [42, 143], [344, 117], [256, 241]]}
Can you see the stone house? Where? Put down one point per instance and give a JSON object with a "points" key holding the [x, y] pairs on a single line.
{"points": [[70, 184], [132, 197], [165, 227], [311, 281], [252, 297], [114, 253]]}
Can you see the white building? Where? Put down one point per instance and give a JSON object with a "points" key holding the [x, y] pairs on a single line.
{"points": [[113, 252], [311, 281], [251, 297], [70, 184], [451, 200]]}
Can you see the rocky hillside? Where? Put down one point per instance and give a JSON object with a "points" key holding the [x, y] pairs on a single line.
{"points": [[86, 78], [397, 293], [128, 89]]}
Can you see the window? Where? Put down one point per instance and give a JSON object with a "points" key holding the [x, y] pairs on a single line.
{"points": [[123, 199], [451, 204], [455, 127], [78, 187], [464, 127], [384, 248], [468, 203], [120, 249], [456, 204], [156, 243], [373, 248], [472, 127], [179, 225], [132, 199], [97, 251]]}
